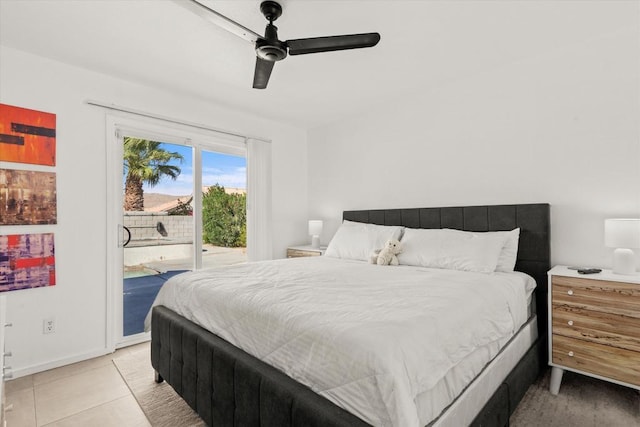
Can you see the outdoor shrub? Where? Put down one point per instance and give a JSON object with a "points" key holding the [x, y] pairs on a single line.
{"points": [[224, 218]]}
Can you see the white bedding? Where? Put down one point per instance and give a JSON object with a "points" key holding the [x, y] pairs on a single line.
{"points": [[371, 339]]}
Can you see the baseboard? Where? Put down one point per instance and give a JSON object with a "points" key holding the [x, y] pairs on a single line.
{"points": [[34, 369]]}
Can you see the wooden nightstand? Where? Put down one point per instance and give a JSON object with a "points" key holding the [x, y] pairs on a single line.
{"points": [[594, 326], [304, 250]]}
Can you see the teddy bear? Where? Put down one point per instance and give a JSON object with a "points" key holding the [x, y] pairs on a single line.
{"points": [[387, 255]]}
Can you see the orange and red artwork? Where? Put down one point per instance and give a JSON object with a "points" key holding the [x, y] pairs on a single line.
{"points": [[27, 136], [27, 261]]}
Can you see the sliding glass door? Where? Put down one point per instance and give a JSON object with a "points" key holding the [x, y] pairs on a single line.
{"points": [[182, 206]]}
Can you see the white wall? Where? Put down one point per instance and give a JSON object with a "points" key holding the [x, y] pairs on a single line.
{"points": [[561, 128], [77, 302]]}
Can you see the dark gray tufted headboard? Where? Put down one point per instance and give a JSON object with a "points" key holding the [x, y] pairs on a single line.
{"points": [[533, 220]]}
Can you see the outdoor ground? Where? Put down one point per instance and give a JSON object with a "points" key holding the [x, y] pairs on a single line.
{"points": [[140, 291]]}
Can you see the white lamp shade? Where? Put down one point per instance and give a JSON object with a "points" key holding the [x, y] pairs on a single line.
{"points": [[315, 227], [622, 233]]}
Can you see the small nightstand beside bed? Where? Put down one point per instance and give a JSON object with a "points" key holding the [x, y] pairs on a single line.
{"points": [[594, 326], [360, 330]]}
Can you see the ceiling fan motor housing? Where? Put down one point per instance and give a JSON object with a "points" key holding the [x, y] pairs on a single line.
{"points": [[270, 48]]}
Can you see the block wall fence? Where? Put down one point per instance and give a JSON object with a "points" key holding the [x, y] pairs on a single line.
{"points": [[144, 226]]}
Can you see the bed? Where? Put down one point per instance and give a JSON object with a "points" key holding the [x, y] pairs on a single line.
{"points": [[227, 386]]}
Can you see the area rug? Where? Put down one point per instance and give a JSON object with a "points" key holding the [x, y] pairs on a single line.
{"points": [[582, 402], [159, 402]]}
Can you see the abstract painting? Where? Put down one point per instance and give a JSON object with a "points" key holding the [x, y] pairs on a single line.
{"points": [[27, 261], [27, 136], [27, 197]]}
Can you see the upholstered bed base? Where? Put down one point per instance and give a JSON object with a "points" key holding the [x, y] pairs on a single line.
{"points": [[228, 387]]}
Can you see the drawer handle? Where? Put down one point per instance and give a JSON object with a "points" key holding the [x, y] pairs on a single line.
{"points": [[570, 354], [570, 292], [570, 323]]}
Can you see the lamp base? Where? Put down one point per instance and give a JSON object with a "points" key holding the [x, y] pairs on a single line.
{"points": [[315, 241], [624, 261]]}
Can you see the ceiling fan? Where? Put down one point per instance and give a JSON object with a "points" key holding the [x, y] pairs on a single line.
{"points": [[269, 49]]}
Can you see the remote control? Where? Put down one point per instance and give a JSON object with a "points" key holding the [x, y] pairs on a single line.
{"points": [[589, 270]]}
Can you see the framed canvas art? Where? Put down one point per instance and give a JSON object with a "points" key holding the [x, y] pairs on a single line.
{"points": [[27, 136], [27, 197], [26, 261]]}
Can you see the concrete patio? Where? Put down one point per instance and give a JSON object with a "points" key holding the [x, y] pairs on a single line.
{"points": [[212, 256]]}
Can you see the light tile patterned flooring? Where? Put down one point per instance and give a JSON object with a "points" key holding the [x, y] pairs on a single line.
{"points": [[88, 393]]}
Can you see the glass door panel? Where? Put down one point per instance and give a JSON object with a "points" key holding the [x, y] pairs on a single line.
{"points": [[158, 223], [224, 209]]}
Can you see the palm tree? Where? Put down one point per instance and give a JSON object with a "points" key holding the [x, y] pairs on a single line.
{"points": [[145, 162]]}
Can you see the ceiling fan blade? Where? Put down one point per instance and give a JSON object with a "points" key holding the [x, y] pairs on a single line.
{"points": [[219, 19], [262, 73], [331, 43]]}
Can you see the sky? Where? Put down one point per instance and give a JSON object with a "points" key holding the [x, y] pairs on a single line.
{"points": [[217, 168]]}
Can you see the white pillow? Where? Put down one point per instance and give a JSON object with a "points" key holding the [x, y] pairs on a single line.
{"points": [[451, 249], [509, 253], [507, 259], [357, 240]]}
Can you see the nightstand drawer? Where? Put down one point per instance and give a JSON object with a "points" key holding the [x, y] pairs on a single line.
{"points": [[296, 253], [597, 295], [598, 327], [610, 362]]}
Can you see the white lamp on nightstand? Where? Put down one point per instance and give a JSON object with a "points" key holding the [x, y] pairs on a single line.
{"points": [[624, 235], [315, 229]]}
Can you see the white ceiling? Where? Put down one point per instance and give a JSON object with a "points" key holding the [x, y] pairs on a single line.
{"points": [[423, 44]]}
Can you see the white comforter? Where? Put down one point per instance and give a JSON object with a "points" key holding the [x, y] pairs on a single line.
{"points": [[368, 338]]}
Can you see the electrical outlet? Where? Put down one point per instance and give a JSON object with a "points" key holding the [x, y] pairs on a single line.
{"points": [[49, 326]]}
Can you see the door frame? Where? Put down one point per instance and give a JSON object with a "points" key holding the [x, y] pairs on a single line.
{"points": [[119, 125]]}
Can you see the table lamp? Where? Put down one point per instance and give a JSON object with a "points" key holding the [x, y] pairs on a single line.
{"points": [[622, 234], [315, 229]]}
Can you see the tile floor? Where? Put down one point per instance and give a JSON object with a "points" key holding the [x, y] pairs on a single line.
{"points": [[88, 393]]}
